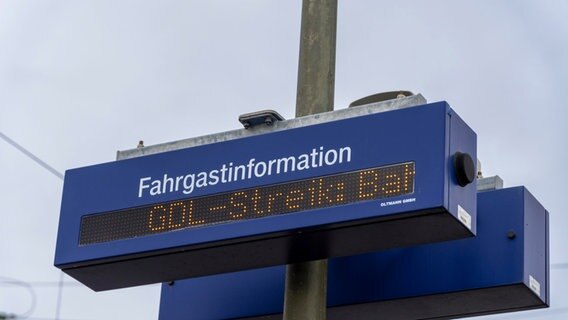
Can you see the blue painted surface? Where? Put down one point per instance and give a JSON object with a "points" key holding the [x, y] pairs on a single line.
{"points": [[459, 133], [490, 259], [420, 134], [535, 244]]}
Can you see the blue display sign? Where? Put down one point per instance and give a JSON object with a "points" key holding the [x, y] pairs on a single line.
{"points": [[504, 268], [337, 188]]}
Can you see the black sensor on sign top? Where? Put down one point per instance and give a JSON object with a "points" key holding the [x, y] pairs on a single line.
{"points": [[465, 168]]}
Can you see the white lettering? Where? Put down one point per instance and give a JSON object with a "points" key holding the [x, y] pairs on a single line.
{"points": [[143, 186], [201, 180], [256, 171], [156, 188], [304, 162], [188, 186], [229, 172], [333, 154]]}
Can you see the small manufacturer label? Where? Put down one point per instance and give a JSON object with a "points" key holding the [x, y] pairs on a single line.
{"points": [[534, 285], [464, 217]]}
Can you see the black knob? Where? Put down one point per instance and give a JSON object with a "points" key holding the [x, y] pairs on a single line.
{"points": [[465, 168]]}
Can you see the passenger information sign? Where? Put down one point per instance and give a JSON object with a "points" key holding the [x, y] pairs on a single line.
{"points": [[352, 185], [504, 268]]}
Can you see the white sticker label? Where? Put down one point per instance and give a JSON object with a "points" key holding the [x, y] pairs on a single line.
{"points": [[534, 285], [464, 217]]}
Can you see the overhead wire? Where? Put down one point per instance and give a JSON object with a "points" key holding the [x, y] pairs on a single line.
{"points": [[45, 284], [35, 318], [16, 282], [61, 283], [31, 156], [59, 295], [58, 174]]}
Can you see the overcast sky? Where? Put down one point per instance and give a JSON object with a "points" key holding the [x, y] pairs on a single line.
{"points": [[80, 80]]}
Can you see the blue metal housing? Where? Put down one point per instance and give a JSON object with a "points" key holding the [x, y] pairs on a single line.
{"points": [[440, 209], [504, 268]]}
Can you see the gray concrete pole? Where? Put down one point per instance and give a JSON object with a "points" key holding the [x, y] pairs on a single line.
{"points": [[306, 291], [316, 70], [306, 283]]}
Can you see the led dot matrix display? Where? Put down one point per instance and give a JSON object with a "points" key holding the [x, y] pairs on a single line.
{"points": [[313, 193]]}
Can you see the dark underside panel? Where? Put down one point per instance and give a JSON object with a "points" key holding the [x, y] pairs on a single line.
{"points": [[453, 305], [334, 241]]}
